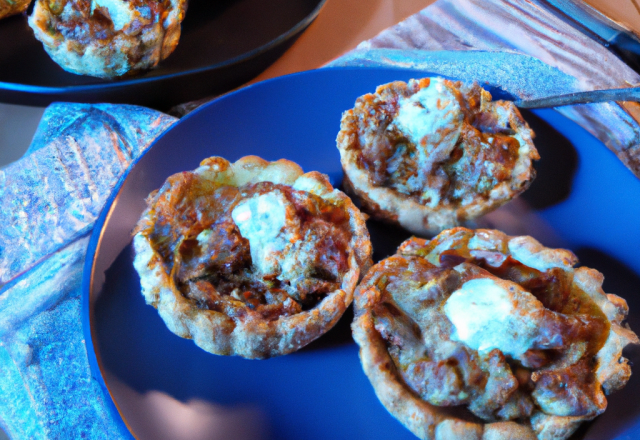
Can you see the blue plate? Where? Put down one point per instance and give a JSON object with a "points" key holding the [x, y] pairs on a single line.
{"points": [[166, 387]]}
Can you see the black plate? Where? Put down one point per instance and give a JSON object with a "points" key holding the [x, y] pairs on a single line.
{"points": [[583, 199], [224, 44]]}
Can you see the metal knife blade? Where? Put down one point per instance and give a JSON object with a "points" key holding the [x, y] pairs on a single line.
{"points": [[622, 94]]}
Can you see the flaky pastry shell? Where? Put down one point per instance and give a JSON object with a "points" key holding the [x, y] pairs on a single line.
{"points": [[432, 153], [12, 7], [403, 306], [239, 322], [108, 38]]}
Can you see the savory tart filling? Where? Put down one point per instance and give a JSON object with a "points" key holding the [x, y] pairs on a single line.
{"points": [[431, 153], [12, 7], [272, 254], [108, 38], [498, 325]]}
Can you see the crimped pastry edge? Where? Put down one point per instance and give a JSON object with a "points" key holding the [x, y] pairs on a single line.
{"points": [[427, 421], [254, 338], [111, 60], [7, 10], [389, 205]]}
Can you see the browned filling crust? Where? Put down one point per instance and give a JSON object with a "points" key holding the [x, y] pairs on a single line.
{"points": [[11, 7], [108, 38], [215, 269], [563, 322], [494, 387], [485, 153], [432, 152], [81, 24], [253, 258]]}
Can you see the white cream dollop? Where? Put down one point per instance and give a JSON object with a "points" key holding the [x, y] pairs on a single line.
{"points": [[489, 314], [431, 118], [267, 221]]}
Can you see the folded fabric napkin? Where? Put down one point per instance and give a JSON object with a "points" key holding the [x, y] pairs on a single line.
{"points": [[54, 194]]}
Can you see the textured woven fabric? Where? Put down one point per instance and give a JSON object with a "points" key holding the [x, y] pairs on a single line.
{"points": [[51, 199]]}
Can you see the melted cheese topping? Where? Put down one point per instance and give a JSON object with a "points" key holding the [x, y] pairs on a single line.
{"points": [[431, 117], [539, 259], [267, 221], [203, 237], [487, 314]]}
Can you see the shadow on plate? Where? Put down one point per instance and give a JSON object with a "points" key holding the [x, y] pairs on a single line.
{"points": [[555, 169]]}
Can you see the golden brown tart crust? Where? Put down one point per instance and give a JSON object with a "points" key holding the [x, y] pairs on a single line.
{"points": [[535, 371], [108, 38], [431, 153], [251, 258], [12, 7]]}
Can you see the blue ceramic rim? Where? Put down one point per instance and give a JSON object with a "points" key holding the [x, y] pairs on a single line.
{"points": [[295, 30], [94, 241]]}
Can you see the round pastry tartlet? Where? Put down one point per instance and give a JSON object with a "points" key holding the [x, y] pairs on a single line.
{"points": [[253, 258], [478, 335], [431, 153], [12, 7], [108, 38]]}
